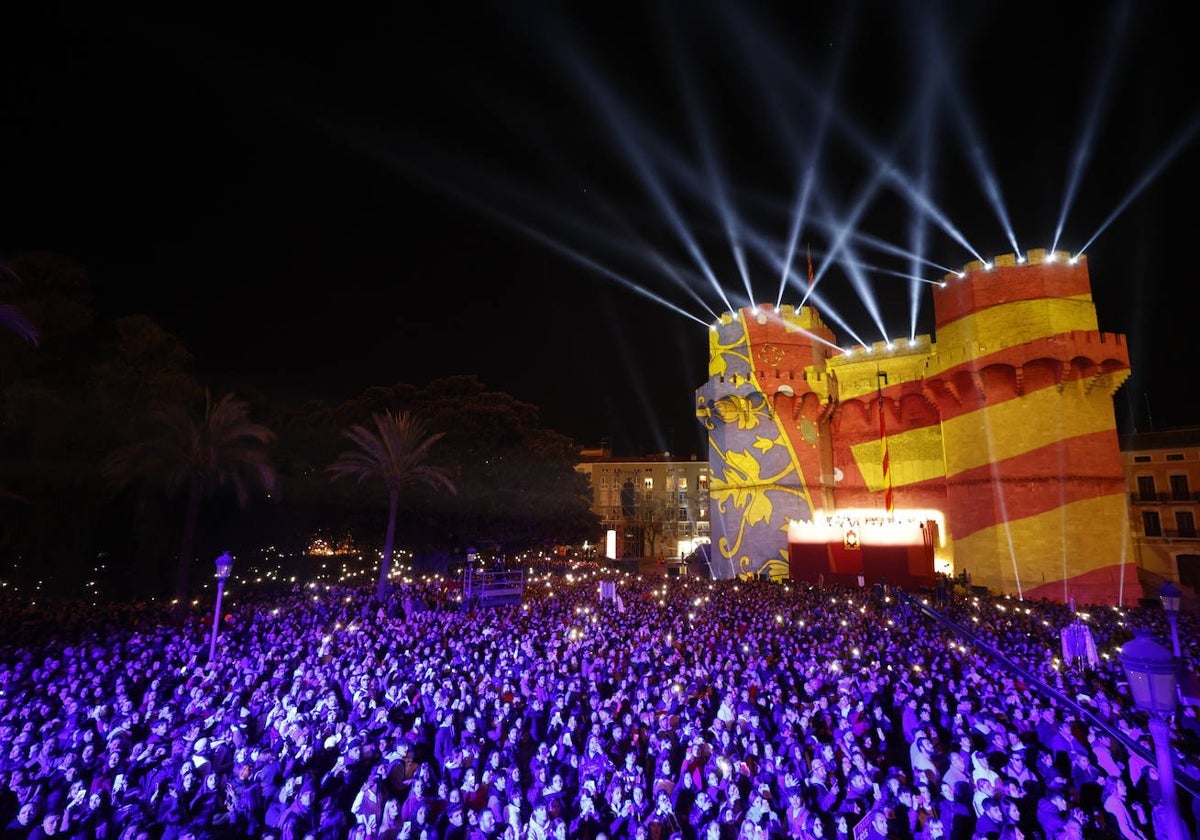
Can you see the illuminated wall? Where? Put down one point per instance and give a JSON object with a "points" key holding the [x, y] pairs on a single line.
{"points": [[1005, 424], [764, 469]]}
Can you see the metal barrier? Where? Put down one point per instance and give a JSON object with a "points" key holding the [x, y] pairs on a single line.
{"points": [[492, 588], [1185, 779]]}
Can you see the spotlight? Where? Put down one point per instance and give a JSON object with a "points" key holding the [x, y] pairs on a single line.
{"points": [[942, 285], [987, 266], [962, 274]]}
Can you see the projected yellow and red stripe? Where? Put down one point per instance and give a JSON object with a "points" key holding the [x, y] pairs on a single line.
{"points": [[1006, 424]]}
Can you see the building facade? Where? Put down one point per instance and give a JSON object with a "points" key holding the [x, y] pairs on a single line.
{"points": [[1162, 474], [654, 506], [1000, 436]]}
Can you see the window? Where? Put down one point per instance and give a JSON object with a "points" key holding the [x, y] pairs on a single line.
{"points": [[1141, 459], [1151, 524], [648, 483], [1146, 487], [702, 481], [703, 514], [683, 498], [670, 483], [1179, 488], [1185, 523], [683, 514], [683, 483], [1175, 456]]}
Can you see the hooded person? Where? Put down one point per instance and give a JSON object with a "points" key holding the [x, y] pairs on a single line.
{"points": [[301, 813]]}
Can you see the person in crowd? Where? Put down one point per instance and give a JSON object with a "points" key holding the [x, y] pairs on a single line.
{"points": [[339, 714]]}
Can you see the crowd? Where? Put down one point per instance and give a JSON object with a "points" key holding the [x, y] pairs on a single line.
{"points": [[683, 710]]}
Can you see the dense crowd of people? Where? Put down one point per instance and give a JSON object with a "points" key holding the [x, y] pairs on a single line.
{"points": [[680, 710]]}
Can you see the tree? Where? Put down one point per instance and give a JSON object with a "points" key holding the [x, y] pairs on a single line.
{"points": [[141, 365], [180, 454], [653, 511], [11, 317], [394, 454], [50, 439], [517, 482], [12, 320]]}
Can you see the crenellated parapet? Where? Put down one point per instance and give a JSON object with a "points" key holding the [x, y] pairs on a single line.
{"points": [[864, 369], [1010, 302]]}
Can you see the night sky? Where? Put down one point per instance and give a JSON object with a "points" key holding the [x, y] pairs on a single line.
{"points": [[318, 201]]}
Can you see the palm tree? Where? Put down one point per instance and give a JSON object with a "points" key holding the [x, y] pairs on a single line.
{"points": [[226, 448], [393, 454], [12, 319]]}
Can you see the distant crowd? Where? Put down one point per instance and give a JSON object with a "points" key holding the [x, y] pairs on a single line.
{"points": [[680, 710]]}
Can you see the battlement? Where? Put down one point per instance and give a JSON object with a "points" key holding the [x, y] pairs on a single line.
{"points": [[1035, 256], [791, 318], [897, 348], [1045, 286]]}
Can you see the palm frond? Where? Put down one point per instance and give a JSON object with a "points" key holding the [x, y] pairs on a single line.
{"points": [[393, 453], [225, 449], [14, 320]]}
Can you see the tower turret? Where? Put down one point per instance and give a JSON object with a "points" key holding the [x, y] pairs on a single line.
{"points": [[1023, 380], [766, 391]]}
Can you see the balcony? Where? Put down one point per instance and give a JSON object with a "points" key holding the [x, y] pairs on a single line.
{"points": [[1164, 498], [1174, 534]]}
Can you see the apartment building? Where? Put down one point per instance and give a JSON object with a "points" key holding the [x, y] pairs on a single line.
{"points": [[655, 506], [1162, 474]]}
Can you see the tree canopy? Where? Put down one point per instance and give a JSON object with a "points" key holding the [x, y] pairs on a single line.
{"points": [[104, 403], [181, 453]]}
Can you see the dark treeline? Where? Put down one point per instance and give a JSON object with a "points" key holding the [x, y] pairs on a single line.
{"points": [[93, 410]]}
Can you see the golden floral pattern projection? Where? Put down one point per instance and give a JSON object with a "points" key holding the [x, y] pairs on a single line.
{"points": [[756, 485]]}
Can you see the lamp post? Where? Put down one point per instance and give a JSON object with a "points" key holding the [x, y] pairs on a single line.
{"points": [[1169, 595], [224, 567], [1150, 669]]}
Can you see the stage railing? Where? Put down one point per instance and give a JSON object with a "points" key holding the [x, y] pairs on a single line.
{"points": [[491, 587]]}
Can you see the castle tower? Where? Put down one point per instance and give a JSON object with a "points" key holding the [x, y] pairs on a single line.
{"points": [[992, 451], [1023, 380], [762, 407]]}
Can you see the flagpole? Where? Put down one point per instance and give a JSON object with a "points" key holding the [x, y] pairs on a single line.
{"points": [[880, 378]]}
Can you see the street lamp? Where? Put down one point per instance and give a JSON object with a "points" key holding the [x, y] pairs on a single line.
{"points": [[224, 567], [1150, 669], [1169, 595]]}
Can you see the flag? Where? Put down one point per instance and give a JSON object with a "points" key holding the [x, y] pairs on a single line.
{"points": [[887, 469]]}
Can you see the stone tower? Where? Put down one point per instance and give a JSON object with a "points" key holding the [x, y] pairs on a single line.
{"points": [[1023, 381], [1002, 432]]}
